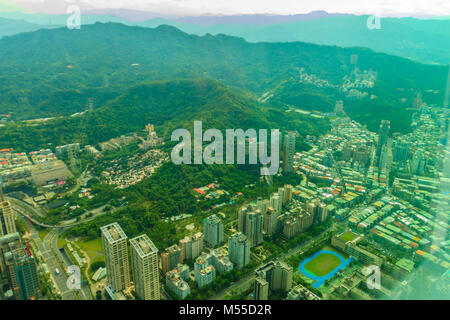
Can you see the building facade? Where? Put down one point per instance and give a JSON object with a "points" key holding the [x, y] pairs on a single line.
{"points": [[289, 151], [144, 258], [7, 223], [116, 257], [191, 246], [239, 250], [170, 258], [213, 231]]}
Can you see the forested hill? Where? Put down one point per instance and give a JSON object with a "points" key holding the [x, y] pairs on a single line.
{"points": [[169, 105], [54, 72]]}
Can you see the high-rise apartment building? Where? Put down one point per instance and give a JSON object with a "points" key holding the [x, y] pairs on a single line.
{"points": [[170, 258], [261, 290], [251, 224], [191, 246], [22, 274], [7, 223], [270, 222], [287, 193], [383, 134], [401, 149], [213, 231], [276, 203], [275, 275], [204, 271], [289, 151], [239, 250], [8, 243], [144, 259], [116, 257]]}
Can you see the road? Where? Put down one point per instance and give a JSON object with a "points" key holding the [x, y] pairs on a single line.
{"points": [[53, 258], [85, 292], [66, 224], [25, 206], [52, 263]]}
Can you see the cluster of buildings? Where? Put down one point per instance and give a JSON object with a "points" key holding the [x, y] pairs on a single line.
{"points": [[116, 143], [67, 148], [271, 277], [360, 79], [211, 191], [152, 140], [355, 84], [207, 263], [281, 213], [134, 169], [44, 167], [304, 77], [404, 230], [144, 264], [16, 261]]}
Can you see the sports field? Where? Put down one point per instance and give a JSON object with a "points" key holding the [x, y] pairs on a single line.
{"points": [[323, 264]]}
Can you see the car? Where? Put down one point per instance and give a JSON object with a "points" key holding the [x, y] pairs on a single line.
{"points": [[57, 271]]}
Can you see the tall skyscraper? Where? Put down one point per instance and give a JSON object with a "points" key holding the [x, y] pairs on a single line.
{"points": [[144, 259], [251, 224], [191, 246], [213, 231], [322, 212], [263, 205], [289, 151], [239, 250], [386, 155], [116, 257], [8, 243], [276, 203], [401, 149], [288, 192], [261, 290], [418, 162], [7, 223], [270, 222], [22, 274], [273, 276], [170, 258], [383, 134], [27, 275]]}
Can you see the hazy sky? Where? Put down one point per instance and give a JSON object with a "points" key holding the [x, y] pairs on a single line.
{"points": [[199, 7]]}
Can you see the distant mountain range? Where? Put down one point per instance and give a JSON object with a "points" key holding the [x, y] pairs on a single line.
{"points": [[426, 41], [10, 27]]}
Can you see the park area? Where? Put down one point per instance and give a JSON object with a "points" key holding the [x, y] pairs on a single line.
{"points": [[93, 248]]}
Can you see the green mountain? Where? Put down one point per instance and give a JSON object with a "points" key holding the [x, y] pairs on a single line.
{"points": [[55, 72], [10, 27], [167, 104]]}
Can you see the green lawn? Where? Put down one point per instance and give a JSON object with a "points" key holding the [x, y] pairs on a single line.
{"points": [[91, 245], [348, 236], [322, 264]]}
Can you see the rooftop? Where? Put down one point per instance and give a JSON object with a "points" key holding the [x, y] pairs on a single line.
{"points": [[113, 232]]}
